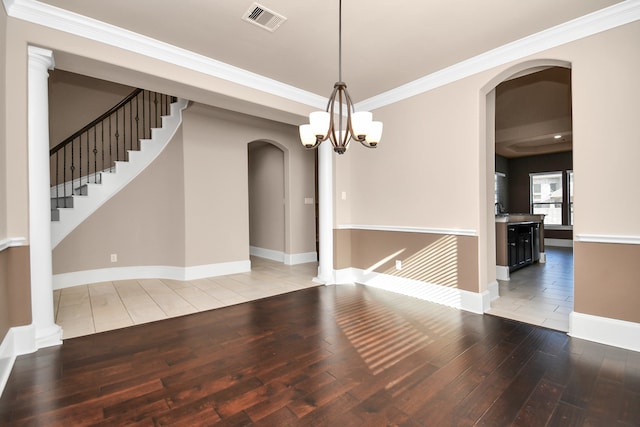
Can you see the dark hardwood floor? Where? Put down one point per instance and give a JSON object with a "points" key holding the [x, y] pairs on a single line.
{"points": [[339, 355]]}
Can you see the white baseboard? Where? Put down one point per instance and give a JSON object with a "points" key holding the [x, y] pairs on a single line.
{"points": [[76, 278], [561, 243], [502, 272], [617, 333], [279, 256], [494, 291], [18, 340], [271, 254], [452, 297], [303, 258]]}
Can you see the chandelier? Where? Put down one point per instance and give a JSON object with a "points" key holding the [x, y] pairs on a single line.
{"points": [[358, 126]]}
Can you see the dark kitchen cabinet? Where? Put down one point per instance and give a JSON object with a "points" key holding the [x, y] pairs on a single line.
{"points": [[523, 241]]}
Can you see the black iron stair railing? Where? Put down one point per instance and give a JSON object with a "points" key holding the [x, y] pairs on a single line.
{"points": [[81, 158]]}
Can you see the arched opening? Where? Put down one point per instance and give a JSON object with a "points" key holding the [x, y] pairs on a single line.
{"points": [[267, 224], [530, 172]]}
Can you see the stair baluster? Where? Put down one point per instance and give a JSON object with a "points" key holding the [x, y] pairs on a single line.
{"points": [[74, 163]]}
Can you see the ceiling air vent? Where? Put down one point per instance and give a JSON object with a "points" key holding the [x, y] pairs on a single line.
{"points": [[263, 17]]}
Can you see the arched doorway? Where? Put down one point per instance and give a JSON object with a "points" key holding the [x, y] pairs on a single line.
{"points": [[528, 155], [267, 222]]}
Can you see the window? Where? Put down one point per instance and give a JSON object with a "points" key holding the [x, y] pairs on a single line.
{"points": [[546, 196]]}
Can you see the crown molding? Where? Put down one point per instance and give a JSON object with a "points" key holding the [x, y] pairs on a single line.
{"points": [[76, 24], [70, 22], [602, 20]]}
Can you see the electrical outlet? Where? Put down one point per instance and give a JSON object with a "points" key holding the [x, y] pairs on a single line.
{"points": [[114, 257], [398, 264]]}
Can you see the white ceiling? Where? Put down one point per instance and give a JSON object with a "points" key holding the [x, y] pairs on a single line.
{"points": [[385, 44]]}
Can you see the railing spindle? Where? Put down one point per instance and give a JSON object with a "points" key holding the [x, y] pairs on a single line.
{"points": [[113, 128]]}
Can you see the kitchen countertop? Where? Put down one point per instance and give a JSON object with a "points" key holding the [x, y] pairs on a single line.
{"points": [[519, 217]]}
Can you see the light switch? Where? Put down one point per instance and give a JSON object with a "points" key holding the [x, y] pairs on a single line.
{"points": [[344, 195], [308, 200]]}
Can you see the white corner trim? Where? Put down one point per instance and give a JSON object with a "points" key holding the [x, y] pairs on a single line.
{"points": [[604, 330], [83, 26], [403, 229], [605, 19], [18, 340], [604, 238], [125, 172], [451, 297], [12, 242], [66, 280]]}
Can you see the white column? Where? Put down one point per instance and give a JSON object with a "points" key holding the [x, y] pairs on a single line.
{"points": [[325, 214], [47, 333]]}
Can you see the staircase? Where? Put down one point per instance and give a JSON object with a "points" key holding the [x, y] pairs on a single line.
{"points": [[92, 165]]}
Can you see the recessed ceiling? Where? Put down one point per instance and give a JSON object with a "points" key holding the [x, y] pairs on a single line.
{"points": [[533, 114]]}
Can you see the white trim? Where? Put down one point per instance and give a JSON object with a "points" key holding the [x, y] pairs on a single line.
{"points": [[584, 26], [70, 22], [502, 272], [286, 259], [66, 280], [112, 183], [12, 242], [301, 258], [543, 257], [79, 25], [271, 254], [452, 297], [603, 238], [494, 290], [604, 330], [7, 359], [18, 340], [402, 229], [561, 243]]}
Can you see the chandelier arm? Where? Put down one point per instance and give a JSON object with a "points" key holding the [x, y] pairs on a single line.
{"points": [[367, 144]]}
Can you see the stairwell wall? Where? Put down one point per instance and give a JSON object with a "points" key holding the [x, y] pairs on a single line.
{"points": [[190, 207], [75, 100]]}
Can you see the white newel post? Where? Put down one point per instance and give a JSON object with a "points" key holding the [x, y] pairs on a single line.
{"points": [[325, 214], [47, 333]]}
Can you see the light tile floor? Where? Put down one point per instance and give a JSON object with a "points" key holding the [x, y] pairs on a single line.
{"points": [[540, 294], [99, 307]]}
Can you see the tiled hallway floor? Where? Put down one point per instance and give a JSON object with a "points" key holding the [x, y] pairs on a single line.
{"points": [[99, 307], [540, 294]]}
